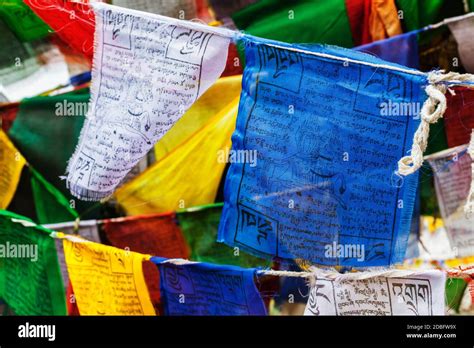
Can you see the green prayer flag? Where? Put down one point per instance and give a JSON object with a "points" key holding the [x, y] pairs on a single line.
{"points": [[17, 59], [199, 226], [30, 280], [455, 288], [304, 21], [46, 131], [51, 206], [22, 20]]}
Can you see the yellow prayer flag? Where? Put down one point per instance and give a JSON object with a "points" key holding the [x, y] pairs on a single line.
{"points": [[11, 165], [220, 95], [107, 280], [187, 176]]}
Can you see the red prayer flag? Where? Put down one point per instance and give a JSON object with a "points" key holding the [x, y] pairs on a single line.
{"points": [[459, 116], [73, 22]]}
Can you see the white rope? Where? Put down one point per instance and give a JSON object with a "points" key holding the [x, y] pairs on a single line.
{"points": [[433, 109], [469, 207]]}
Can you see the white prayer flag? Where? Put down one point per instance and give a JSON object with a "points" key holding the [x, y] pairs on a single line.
{"points": [[182, 9], [148, 70], [462, 31], [390, 292], [453, 174]]}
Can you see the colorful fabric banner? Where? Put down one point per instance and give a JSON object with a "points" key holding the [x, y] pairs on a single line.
{"points": [[217, 98], [30, 281], [107, 280], [323, 199], [73, 22], [133, 103], [199, 226], [414, 294], [51, 206], [166, 186], [462, 31], [452, 172], [401, 49], [205, 289], [26, 25], [154, 235], [459, 117], [11, 165], [182, 9], [290, 21]]}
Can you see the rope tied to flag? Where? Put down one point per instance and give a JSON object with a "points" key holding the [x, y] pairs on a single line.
{"points": [[432, 110]]}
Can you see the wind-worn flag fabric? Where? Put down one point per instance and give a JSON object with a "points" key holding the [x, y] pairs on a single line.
{"points": [[327, 138], [148, 70], [153, 235], [414, 294], [30, 281], [462, 31], [167, 184], [64, 116], [453, 175], [199, 226], [206, 289], [219, 96], [50, 204], [24, 22], [107, 280], [11, 165], [459, 117], [73, 22], [290, 21], [182, 9], [401, 49]]}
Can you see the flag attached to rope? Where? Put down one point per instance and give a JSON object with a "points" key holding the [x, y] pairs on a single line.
{"points": [[166, 185], [199, 226], [318, 141], [452, 173], [154, 235], [459, 117], [206, 289], [107, 280], [11, 165], [148, 71], [30, 281], [411, 294]]}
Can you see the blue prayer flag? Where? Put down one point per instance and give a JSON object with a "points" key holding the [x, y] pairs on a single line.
{"points": [[326, 135], [207, 289], [401, 49]]}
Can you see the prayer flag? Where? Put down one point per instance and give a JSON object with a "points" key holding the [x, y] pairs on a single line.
{"points": [[11, 165], [107, 280], [326, 137], [30, 281], [206, 289], [462, 31], [182, 9], [148, 70], [416, 293], [459, 117], [452, 173]]}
